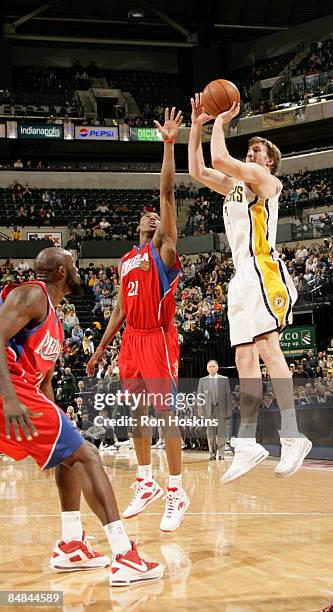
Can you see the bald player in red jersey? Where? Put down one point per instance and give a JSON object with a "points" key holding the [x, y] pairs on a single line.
{"points": [[32, 425], [149, 353]]}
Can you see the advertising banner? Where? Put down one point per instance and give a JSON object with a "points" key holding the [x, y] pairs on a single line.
{"points": [[55, 237], [145, 134], [44, 131], [281, 118], [94, 132], [295, 340]]}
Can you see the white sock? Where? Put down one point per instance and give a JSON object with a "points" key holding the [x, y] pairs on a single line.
{"points": [[117, 537], [175, 482], [289, 427], [71, 526], [145, 472], [248, 431]]}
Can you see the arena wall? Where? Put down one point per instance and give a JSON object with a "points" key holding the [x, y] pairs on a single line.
{"points": [[140, 180]]}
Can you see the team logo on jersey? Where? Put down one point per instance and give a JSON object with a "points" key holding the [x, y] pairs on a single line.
{"points": [[145, 266], [49, 348], [279, 301], [135, 262]]}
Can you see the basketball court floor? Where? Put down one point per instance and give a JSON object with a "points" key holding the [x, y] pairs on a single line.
{"points": [[259, 544]]}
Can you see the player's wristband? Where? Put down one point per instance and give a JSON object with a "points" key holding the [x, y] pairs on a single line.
{"points": [[168, 140], [101, 346]]}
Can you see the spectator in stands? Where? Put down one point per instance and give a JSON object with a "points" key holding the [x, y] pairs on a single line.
{"points": [[22, 266], [18, 164], [103, 208], [72, 246], [70, 320], [79, 232], [16, 191], [77, 335], [71, 415], [27, 192], [16, 234], [68, 385]]}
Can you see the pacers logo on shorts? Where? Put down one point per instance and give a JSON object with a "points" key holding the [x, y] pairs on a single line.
{"points": [[279, 301]]}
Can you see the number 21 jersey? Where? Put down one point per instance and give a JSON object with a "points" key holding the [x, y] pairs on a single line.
{"points": [[148, 287]]}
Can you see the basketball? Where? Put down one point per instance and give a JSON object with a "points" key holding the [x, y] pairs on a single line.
{"points": [[218, 96]]}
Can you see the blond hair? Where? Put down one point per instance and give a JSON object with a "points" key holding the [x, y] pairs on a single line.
{"points": [[272, 151]]}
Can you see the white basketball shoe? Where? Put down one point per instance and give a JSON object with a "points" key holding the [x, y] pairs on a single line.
{"points": [[248, 454], [293, 453], [146, 492], [176, 505]]}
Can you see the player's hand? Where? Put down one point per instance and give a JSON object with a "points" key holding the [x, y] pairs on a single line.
{"points": [[172, 123], [94, 360], [229, 115], [18, 416], [199, 115]]}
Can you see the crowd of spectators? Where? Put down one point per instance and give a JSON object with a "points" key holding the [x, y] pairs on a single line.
{"points": [[111, 213], [306, 189], [101, 213], [318, 59], [200, 317]]}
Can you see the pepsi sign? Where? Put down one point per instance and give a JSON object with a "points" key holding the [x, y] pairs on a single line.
{"points": [[93, 132]]}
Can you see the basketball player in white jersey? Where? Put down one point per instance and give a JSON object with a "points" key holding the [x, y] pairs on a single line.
{"points": [[261, 294]]}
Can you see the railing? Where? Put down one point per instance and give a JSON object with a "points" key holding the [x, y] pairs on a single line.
{"points": [[314, 231]]}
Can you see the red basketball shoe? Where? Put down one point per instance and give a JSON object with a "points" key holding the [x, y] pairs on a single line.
{"points": [[129, 568], [76, 555]]}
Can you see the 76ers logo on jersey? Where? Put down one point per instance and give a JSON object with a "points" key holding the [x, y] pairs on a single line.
{"points": [[138, 261], [49, 348]]}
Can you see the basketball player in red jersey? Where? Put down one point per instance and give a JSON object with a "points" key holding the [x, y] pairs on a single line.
{"points": [[149, 352], [32, 425]]}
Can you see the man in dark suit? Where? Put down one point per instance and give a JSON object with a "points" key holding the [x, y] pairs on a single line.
{"points": [[216, 390]]}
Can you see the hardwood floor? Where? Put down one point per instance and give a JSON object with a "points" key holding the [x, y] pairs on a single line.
{"points": [[259, 544]]}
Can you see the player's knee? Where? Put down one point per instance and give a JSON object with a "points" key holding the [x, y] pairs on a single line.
{"points": [[245, 359], [269, 352], [87, 453]]}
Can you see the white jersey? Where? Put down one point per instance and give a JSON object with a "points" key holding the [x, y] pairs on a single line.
{"points": [[250, 223], [261, 294]]}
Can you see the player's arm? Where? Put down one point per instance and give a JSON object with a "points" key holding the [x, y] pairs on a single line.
{"points": [[215, 180], [115, 323], [165, 237], [46, 385], [224, 162], [23, 304]]}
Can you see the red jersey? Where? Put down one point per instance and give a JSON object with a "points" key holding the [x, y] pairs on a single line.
{"points": [[149, 288], [31, 353]]}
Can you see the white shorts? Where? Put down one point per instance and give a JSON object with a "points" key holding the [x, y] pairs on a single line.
{"points": [[260, 299]]}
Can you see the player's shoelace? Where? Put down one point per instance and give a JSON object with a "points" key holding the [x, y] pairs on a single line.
{"points": [[139, 488], [171, 499]]}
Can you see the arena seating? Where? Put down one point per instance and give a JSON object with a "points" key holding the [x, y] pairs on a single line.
{"points": [[200, 319], [308, 189], [68, 206]]}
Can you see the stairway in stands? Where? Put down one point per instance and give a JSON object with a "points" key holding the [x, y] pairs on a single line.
{"points": [[84, 306], [183, 215]]}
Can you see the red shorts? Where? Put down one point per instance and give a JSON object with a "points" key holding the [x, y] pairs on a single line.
{"points": [[57, 437], [148, 361]]}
